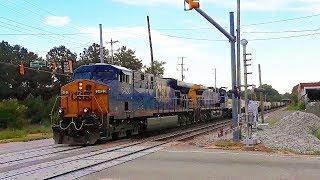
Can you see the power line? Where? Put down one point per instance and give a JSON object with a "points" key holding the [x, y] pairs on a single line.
{"points": [[285, 31], [257, 39], [282, 20], [75, 41], [198, 39], [40, 34], [253, 24], [36, 28], [49, 12], [285, 37]]}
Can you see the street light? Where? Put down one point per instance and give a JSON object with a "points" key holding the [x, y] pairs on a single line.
{"points": [[244, 42]]}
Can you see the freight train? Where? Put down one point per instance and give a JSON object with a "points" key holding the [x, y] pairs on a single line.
{"points": [[105, 101]]}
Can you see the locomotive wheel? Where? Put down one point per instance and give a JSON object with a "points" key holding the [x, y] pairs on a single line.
{"points": [[115, 136], [129, 133]]}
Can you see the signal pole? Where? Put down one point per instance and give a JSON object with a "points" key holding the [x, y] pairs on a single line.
{"points": [[238, 53], [182, 68], [215, 79], [101, 45], [111, 44], [261, 97], [151, 49], [193, 4]]}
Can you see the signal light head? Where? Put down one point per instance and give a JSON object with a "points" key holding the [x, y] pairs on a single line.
{"points": [[21, 69], [193, 4]]}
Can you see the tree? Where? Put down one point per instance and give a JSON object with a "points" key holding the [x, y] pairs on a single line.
{"points": [[92, 55], [126, 57], [158, 68], [33, 82], [61, 54], [271, 94]]}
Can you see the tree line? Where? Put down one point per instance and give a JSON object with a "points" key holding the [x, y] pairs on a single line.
{"points": [[39, 83]]}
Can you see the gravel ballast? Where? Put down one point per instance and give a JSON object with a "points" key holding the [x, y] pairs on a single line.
{"points": [[293, 133]]}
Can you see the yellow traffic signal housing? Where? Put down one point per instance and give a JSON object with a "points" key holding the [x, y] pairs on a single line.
{"points": [[71, 66], [22, 70], [53, 66], [194, 4]]}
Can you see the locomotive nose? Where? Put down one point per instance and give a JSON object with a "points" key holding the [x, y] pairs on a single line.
{"points": [[83, 97]]}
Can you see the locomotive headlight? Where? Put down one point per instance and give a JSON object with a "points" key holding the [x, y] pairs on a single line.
{"points": [[85, 110], [80, 86], [64, 92]]}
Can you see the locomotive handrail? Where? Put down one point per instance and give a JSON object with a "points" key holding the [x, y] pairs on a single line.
{"points": [[102, 121]]}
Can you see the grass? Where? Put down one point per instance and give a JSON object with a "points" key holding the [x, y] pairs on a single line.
{"points": [[227, 143], [317, 134], [32, 132], [296, 107], [231, 145], [272, 121]]}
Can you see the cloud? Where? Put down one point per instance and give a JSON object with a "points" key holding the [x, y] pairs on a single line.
{"points": [[57, 20]]}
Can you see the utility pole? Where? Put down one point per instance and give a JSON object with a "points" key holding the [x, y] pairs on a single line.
{"points": [[111, 44], [249, 141], [101, 45], [151, 49], [215, 79], [261, 97], [182, 68], [238, 53], [244, 42], [193, 4]]}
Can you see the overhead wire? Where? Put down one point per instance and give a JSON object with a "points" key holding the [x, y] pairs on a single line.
{"points": [[244, 25], [18, 12], [28, 27], [34, 12]]}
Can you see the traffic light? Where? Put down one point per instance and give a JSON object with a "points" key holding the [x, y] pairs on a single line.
{"points": [[53, 66], [22, 70], [193, 4], [71, 66]]}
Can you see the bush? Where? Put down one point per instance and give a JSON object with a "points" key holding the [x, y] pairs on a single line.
{"points": [[35, 106], [297, 106], [13, 114], [39, 110], [317, 134]]}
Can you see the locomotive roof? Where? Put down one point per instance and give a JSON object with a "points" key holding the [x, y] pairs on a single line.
{"points": [[100, 67]]}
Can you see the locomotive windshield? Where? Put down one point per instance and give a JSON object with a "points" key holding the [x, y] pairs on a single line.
{"points": [[98, 76]]}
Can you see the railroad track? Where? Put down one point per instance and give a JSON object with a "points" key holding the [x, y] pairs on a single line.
{"points": [[98, 159]]}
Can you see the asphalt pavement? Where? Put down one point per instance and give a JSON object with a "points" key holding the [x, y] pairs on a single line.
{"points": [[213, 164]]}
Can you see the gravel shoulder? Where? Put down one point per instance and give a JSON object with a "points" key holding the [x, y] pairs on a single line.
{"points": [[289, 133], [294, 132]]}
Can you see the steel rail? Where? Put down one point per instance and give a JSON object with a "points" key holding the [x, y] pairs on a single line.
{"points": [[73, 164]]}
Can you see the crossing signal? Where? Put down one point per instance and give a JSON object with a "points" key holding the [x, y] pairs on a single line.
{"points": [[193, 4], [22, 70]]}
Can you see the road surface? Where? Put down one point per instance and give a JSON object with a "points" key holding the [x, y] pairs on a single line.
{"points": [[213, 164]]}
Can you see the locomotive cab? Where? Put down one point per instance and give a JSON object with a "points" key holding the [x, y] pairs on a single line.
{"points": [[83, 107]]}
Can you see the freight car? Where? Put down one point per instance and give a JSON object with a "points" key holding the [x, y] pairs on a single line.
{"points": [[108, 102]]}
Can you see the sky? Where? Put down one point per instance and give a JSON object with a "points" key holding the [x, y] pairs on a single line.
{"points": [[287, 50]]}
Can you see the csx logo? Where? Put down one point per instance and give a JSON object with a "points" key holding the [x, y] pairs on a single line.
{"points": [[81, 96]]}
